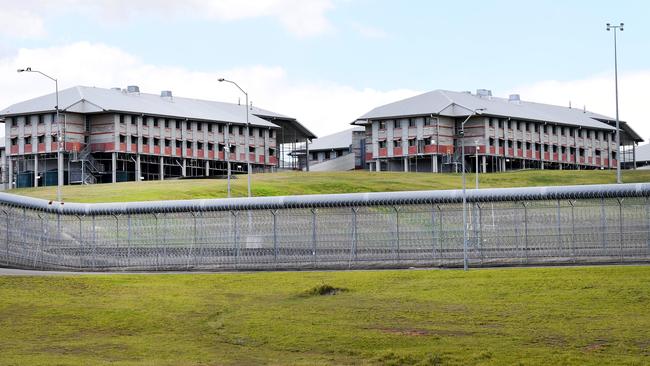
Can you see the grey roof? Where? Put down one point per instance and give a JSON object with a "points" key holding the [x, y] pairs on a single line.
{"points": [[643, 153], [458, 104], [83, 99], [339, 140]]}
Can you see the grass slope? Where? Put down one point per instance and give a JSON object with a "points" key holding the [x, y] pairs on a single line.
{"points": [[331, 182], [520, 316]]}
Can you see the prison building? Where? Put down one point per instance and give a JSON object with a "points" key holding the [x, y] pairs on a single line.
{"points": [[340, 151], [642, 157], [424, 133], [116, 135]]}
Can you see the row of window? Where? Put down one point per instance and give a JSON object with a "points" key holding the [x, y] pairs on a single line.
{"points": [[199, 126], [199, 145], [28, 120], [428, 121]]}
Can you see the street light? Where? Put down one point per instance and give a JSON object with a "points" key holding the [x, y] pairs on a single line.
{"points": [[462, 139], [618, 132], [476, 160], [59, 157], [247, 137]]}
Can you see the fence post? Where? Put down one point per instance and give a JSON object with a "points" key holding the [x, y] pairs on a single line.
{"points": [[236, 236], [313, 236], [525, 204], [7, 237], [647, 219], [603, 222], [433, 232], [573, 231], [620, 226], [559, 226], [440, 236], [80, 243], [23, 235], [479, 239], [354, 231], [275, 235], [94, 244], [397, 232], [129, 235], [39, 248]]}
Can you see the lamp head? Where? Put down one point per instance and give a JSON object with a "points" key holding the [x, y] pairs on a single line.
{"points": [[621, 26], [26, 69], [221, 79]]}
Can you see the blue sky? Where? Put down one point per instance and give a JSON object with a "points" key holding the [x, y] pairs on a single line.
{"points": [[391, 48]]}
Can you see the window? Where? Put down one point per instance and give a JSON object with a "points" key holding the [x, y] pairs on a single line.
{"points": [[168, 142], [509, 144], [412, 122], [14, 123], [134, 120], [14, 141], [251, 149], [428, 121], [545, 129], [199, 145], [397, 143], [210, 146], [28, 140], [134, 140], [166, 123], [40, 119], [155, 122], [272, 152], [250, 131], [241, 130], [233, 149], [156, 141], [500, 123], [411, 142], [598, 153], [230, 129], [179, 143], [122, 139], [271, 134], [209, 127], [518, 144], [145, 141], [260, 132], [491, 141], [528, 146], [563, 149], [188, 125], [382, 144], [537, 146], [41, 139], [219, 128], [28, 121], [382, 125], [521, 126], [554, 148], [199, 126], [220, 147]]}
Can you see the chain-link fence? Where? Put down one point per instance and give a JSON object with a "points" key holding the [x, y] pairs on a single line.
{"points": [[546, 225]]}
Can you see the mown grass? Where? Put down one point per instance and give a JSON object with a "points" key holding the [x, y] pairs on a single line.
{"points": [[517, 316], [293, 183]]}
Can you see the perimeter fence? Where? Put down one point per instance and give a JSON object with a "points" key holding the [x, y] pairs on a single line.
{"points": [[517, 226]]}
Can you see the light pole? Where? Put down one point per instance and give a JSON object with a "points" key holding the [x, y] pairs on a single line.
{"points": [[618, 131], [247, 137], [462, 139], [59, 156]]}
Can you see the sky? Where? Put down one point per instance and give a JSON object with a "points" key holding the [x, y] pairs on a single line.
{"points": [[326, 62]]}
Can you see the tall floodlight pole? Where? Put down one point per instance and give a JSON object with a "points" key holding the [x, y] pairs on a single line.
{"points": [[462, 139], [618, 131], [476, 160], [59, 135], [248, 159]]}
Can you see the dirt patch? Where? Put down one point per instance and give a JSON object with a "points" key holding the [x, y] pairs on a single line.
{"points": [[595, 347], [324, 290]]}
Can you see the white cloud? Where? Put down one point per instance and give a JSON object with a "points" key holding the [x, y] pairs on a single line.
{"points": [[301, 18], [369, 31], [596, 93], [323, 107]]}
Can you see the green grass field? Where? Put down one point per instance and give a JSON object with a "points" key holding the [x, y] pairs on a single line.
{"points": [[314, 183], [517, 316]]}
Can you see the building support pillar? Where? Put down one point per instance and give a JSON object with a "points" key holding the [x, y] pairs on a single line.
{"points": [[35, 170], [406, 164], [10, 173], [483, 164], [307, 155], [503, 164], [207, 168], [138, 168], [560, 166], [378, 166], [113, 167], [434, 163], [523, 163], [184, 168], [162, 168]]}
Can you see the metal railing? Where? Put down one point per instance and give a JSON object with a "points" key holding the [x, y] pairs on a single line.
{"points": [[513, 226]]}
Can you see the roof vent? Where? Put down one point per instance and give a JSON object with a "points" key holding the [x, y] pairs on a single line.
{"points": [[116, 89], [133, 89], [466, 92], [514, 98], [166, 94], [484, 93]]}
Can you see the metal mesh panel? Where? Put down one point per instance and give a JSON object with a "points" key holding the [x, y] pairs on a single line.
{"points": [[593, 225]]}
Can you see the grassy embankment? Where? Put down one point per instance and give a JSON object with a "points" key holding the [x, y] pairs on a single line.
{"points": [[314, 183], [520, 316]]}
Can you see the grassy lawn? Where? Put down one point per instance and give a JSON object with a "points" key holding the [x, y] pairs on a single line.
{"points": [[331, 182], [517, 316]]}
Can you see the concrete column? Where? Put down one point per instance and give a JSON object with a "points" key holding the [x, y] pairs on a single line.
{"points": [[378, 166], [503, 165], [542, 164], [10, 174], [114, 166], [162, 168], [523, 163], [35, 170], [307, 155], [560, 166], [138, 168], [483, 164], [184, 168], [207, 168], [434, 163], [406, 164]]}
